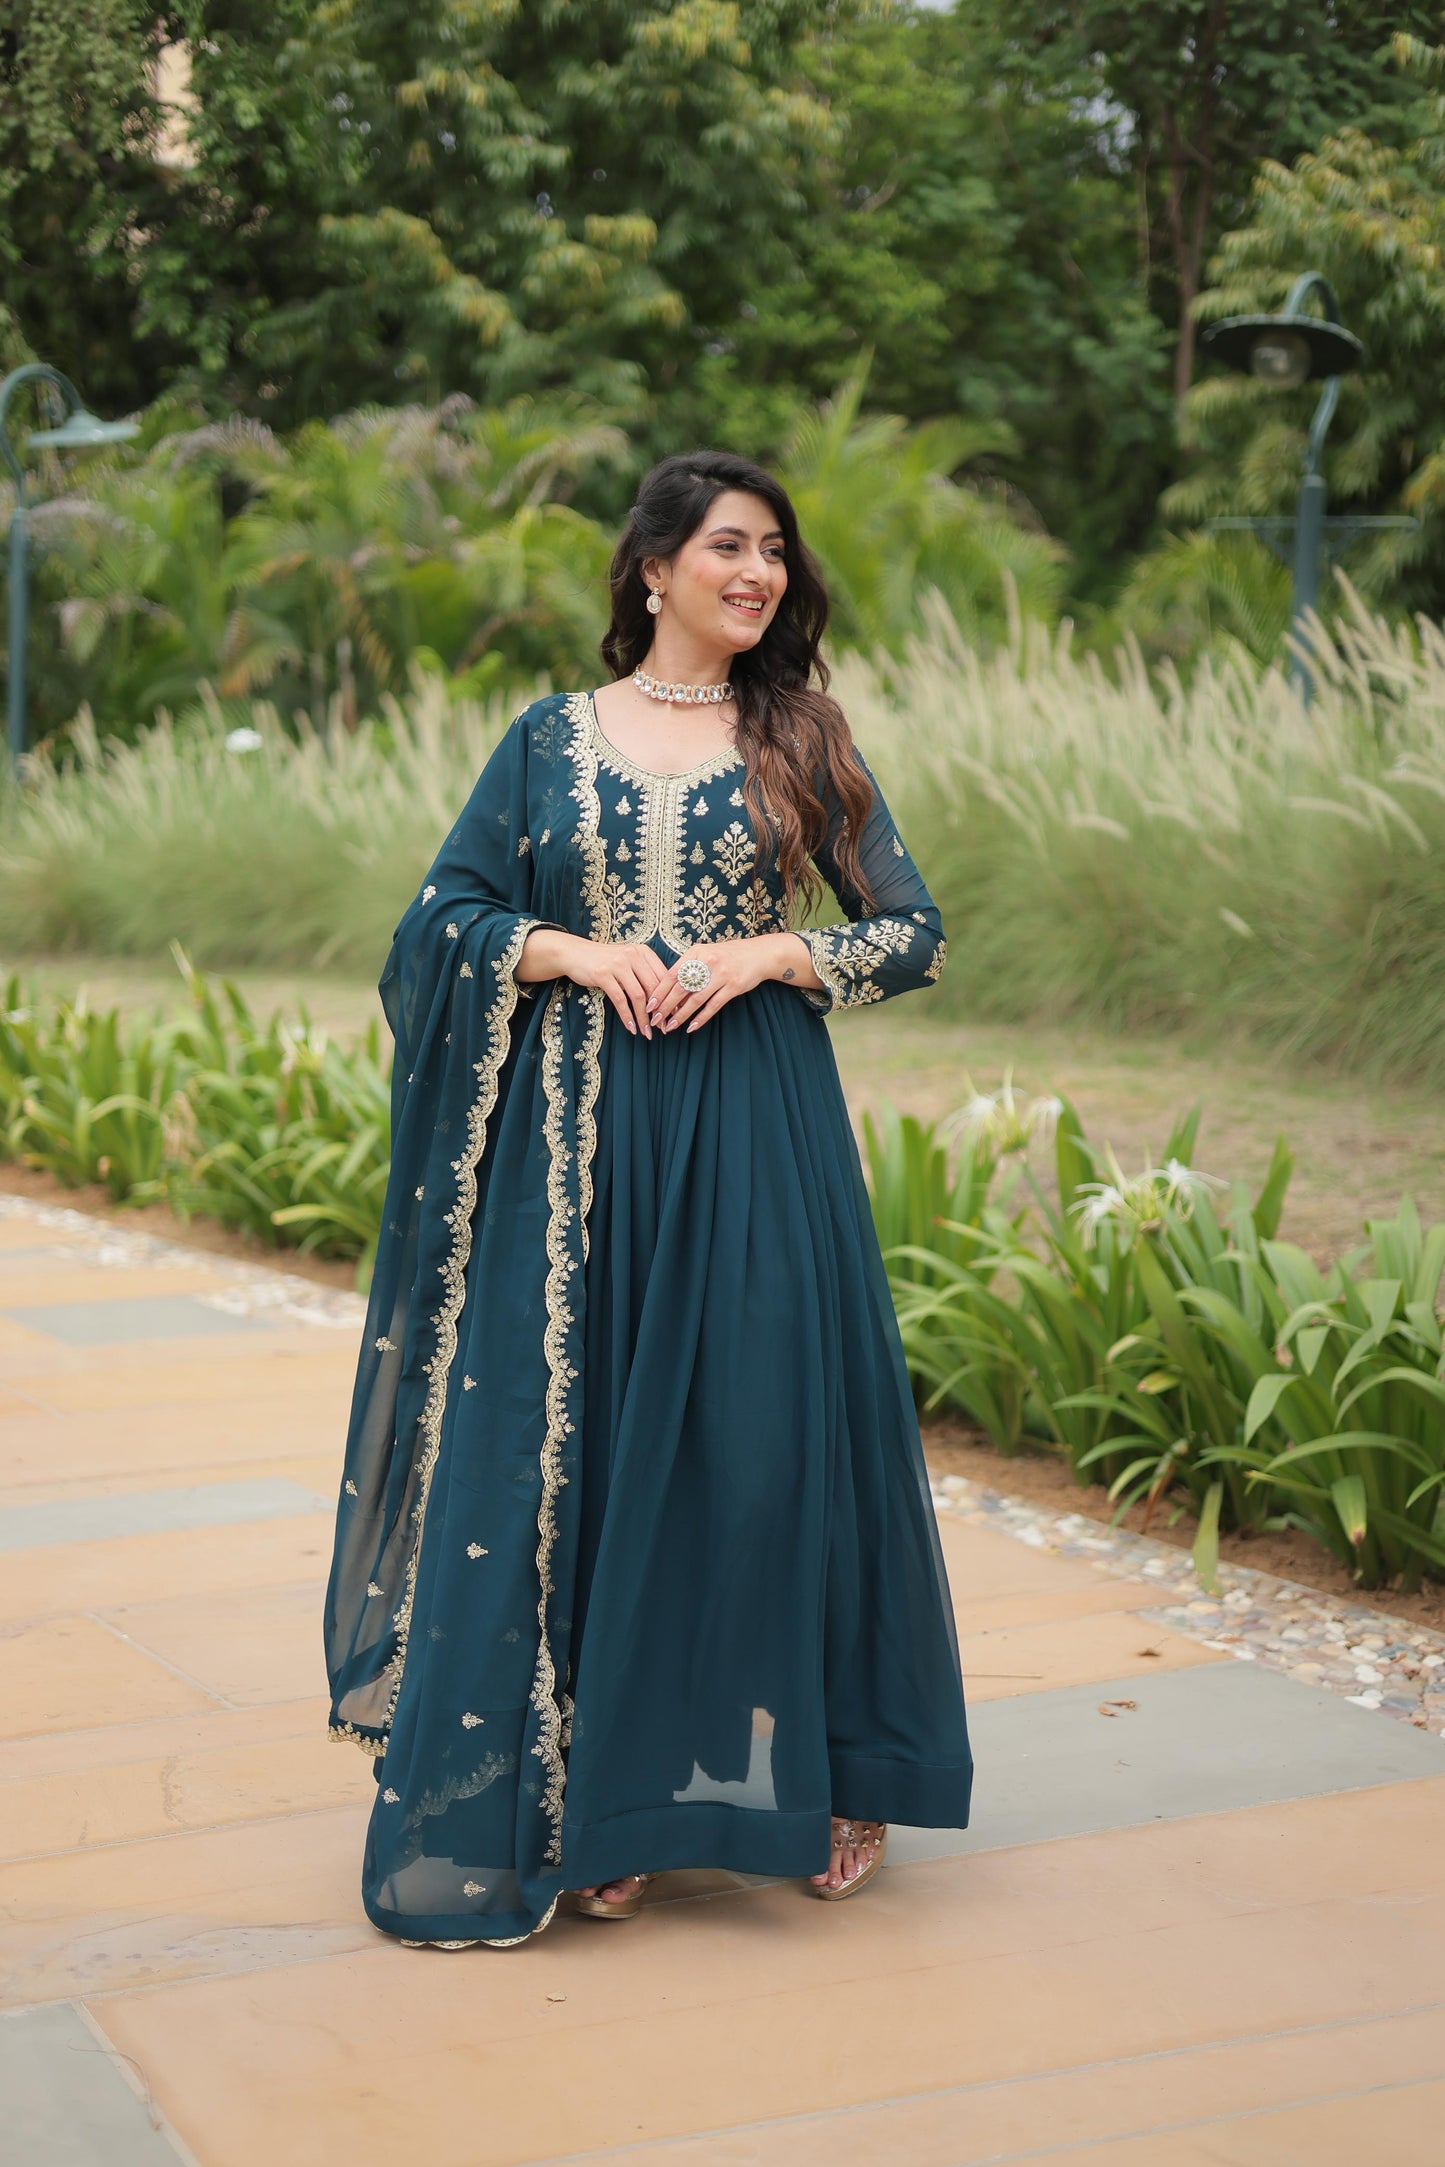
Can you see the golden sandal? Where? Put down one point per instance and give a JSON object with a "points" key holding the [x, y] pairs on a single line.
{"points": [[845, 1834], [626, 1907]]}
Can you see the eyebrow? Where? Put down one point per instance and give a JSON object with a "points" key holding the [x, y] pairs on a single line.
{"points": [[774, 534]]}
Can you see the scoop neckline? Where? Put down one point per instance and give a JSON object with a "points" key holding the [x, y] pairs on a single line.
{"points": [[702, 771]]}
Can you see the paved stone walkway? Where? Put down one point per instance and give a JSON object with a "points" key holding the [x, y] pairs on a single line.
{"points": [[1200, 1917]]}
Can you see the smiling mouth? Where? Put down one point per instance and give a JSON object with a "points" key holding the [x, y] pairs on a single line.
{"points": [[750, 605]]}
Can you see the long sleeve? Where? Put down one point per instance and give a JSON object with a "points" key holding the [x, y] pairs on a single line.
{"points": [[897, 949]]}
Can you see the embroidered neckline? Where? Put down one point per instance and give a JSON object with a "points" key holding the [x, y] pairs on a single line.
{"points": [[612, 756]]}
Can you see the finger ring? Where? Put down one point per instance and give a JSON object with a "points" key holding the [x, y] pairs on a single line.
{"points": [[693, 973]]}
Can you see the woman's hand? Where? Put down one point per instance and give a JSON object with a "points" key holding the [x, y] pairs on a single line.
{"points": [[736, 967], [626, 971]]}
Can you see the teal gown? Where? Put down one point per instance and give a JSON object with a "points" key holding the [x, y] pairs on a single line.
{"points": [[635, 1563]]}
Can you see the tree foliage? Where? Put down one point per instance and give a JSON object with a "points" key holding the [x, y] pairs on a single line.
{"points": [[1370, 215]]}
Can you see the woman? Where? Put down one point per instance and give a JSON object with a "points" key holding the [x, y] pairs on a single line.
{"points": [[635, 1565]]}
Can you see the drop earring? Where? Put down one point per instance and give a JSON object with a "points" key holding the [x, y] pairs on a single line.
{"points": [[654, 603]]}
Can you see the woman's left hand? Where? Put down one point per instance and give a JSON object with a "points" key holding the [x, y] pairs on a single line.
{"points": [[736, 967]]}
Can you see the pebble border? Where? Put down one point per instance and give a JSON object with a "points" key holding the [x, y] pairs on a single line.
{"points": [[1372, 1660], [247, 1290]]}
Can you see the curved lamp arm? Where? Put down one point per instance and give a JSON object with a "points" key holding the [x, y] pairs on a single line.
{"points": [[1315, 282], [33, 372]]}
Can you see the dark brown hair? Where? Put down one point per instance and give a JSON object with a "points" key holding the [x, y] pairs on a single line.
{"points": [[794, 738]]}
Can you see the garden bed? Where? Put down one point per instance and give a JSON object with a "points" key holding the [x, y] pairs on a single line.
{"points": [[1042, 1478]]}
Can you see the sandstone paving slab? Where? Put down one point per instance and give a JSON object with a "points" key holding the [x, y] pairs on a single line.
{"points": [[1165, 1747], [131, 1377], [62, 1276], [1002, 1661], [102, 1574], [1400, 2123], [47, 1456], [43, 1815], [1064, 2111], [63, 1673], [1381, 1662], [115, 1744], [148, 1512], [127, 1319], [755, 2005], [246, 1645], [70, 2101], [190, 1904]]}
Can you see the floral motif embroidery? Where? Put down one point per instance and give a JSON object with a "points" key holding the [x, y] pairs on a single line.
{"points": [[420, 1193], [544, 838], [936, 962], [755, 907], [704, 908], [701, 807], [897, 847], [735, 852], [622, 852], [737, 798], [474, 1888], [427, 894], [475, 1550], [848, 959], [471, 1722], [624, 805], [524, 844], [351, 1489], [465, 971], [385, 1345], [697, 855], [391, 1798], [469, 1384], [451, 936]]}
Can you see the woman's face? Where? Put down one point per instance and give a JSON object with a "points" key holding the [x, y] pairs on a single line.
{"points": [[723, 587]]}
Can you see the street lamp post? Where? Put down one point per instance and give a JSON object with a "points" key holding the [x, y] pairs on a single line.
{"points": [[1294, 348], [79, 429]]}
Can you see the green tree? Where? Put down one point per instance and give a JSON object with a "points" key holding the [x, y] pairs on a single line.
{"points": [[971, 231], [81, 187], [1203, 89], [1370, 215], [392, 199]]}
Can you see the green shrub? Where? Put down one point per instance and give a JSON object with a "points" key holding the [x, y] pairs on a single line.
{"points": [[273, 1129], [1177, 1353]]}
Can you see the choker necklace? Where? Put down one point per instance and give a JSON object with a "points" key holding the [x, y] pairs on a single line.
{"points": [[653, 688]]}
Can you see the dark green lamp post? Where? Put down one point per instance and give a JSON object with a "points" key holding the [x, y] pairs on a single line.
{"points": [[78, 430], [1288, 349]]}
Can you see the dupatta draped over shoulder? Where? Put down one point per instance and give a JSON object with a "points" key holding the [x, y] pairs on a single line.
{"points": [[471, 1546]]}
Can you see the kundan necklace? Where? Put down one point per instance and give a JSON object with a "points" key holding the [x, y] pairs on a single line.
{"points": [[653, 688]]}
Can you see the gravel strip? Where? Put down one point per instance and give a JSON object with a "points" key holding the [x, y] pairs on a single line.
{"points": [[1372, 1660], [248, 1290]]}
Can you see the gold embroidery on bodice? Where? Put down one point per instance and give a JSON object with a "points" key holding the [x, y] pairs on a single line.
{"points": [[659, 887]]}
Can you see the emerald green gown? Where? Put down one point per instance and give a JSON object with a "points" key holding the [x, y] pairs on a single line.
{"points": [[635, 1564]]}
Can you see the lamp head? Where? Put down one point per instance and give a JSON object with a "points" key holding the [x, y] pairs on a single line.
{"points": [[1284, 350], [81, 429]]}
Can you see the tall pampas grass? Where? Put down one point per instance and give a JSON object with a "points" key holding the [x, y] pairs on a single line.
{"points": [[1109, 843]]}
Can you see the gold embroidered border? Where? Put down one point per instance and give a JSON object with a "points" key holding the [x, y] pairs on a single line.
{"points": [[583, 754], [560, 1378], [454, 1274]]}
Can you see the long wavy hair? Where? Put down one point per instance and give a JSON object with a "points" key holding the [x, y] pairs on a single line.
{"points": [[793, 736]]}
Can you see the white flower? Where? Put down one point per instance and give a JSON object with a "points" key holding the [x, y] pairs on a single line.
{"points": [[998, 1120], [1141, 1203], [244, 740]]}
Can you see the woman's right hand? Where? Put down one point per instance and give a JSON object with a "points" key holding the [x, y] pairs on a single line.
{"points": [[626, 971]]}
